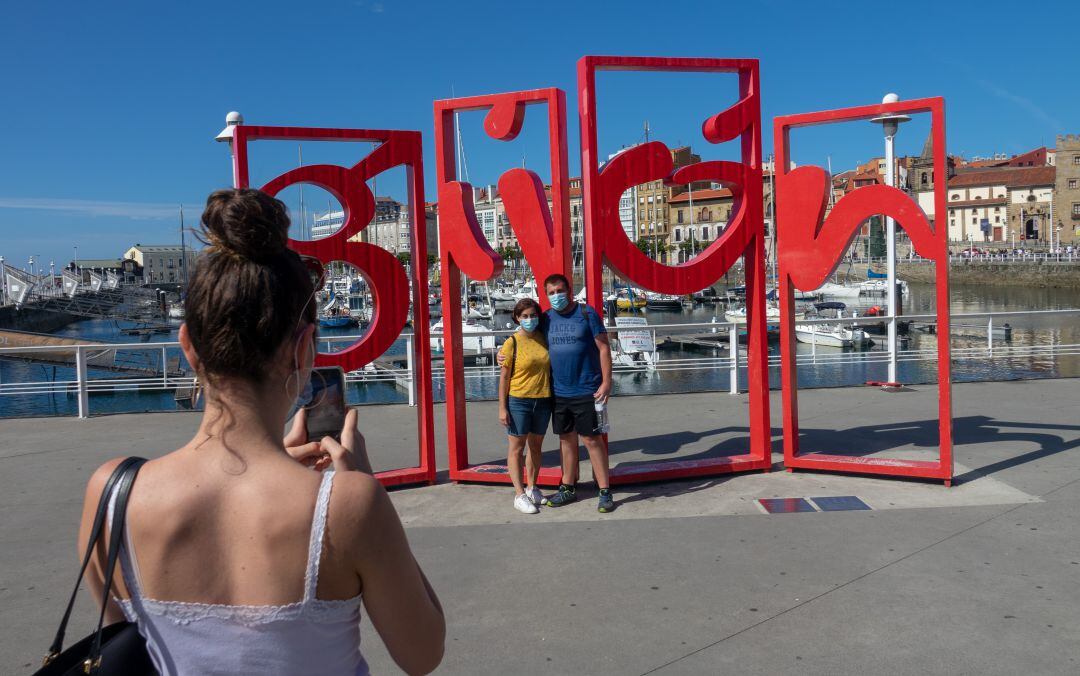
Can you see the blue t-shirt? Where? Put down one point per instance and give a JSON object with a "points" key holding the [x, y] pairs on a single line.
{"points": [[575, 359]]}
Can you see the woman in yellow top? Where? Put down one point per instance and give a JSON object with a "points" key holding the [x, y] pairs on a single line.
{"points": [[525, 400]]}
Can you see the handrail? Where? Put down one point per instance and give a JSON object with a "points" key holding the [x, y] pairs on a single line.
{"points": [[82, 386]]}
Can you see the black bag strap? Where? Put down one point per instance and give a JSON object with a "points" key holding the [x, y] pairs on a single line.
{"points": [[95, 533], [116, 535], [513, 365]]}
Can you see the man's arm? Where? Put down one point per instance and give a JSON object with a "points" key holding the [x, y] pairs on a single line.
{"points": [[605, 367]]}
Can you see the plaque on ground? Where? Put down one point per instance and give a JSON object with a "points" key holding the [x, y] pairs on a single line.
{"points": [[840, 503], [786, 505]]}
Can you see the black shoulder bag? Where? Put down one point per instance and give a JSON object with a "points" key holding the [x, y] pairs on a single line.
{"points": [[118, 649]]}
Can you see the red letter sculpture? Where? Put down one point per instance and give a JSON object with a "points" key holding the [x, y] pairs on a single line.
{"points": [[543, 235], [385, 276], [810, 246], [606, 242]]}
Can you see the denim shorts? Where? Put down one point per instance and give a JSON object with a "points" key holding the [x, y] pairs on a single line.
{"points": [[528, 416]]}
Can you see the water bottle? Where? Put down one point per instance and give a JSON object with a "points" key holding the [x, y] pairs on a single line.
{"points": [[602, 424]]}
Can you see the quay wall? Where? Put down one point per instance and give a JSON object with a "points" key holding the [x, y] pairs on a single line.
{"points": [[33, 319], [1052, 274]]}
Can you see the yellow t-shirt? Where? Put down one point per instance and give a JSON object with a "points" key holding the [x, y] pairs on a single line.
{"points": [[532, 371]]}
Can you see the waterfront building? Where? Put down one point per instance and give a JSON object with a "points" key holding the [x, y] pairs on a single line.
{"points": [[161, 263], [1000, 204], [390, 229], [653, 211], [126, 269], [1067, 188], [921, 177], [698, 218]]}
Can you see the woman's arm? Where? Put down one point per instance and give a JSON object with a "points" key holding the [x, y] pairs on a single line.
{"points": [[95, 578], [397, 596], [506, 366]]}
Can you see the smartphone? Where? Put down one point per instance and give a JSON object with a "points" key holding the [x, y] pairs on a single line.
{"points": [[326, 412]]}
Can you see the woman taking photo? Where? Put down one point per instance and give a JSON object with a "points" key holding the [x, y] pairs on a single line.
{"points": [[238, 558], [525, 401]]}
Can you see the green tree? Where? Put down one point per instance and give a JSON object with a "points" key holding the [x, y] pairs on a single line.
{"points": [[404, 257], [649, 246], [877, 238]]}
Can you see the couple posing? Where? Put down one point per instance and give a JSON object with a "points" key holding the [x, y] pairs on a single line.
{"points": [[557, 366]]}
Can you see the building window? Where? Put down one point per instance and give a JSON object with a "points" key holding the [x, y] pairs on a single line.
{"points": [[678, 217], [704, 232], [997, 219], [1072, 184], [1076, 160], [1076, 209], [924, 179], [678, 235]]}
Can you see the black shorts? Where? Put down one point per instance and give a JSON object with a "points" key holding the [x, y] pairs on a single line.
{"points": [[574, 415]]}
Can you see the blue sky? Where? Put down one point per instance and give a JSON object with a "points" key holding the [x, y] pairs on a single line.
{"points": [[110, 108]]}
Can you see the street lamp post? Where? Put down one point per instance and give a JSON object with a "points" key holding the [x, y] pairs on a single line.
{"points": [[890, 124], [226, 136]]}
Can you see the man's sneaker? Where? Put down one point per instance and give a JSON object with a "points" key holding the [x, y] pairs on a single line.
{"points": [[606, 503], [565, 496], [523, 504], [535, 495]]}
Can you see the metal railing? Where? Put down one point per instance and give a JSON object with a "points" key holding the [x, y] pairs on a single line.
{"points": [[397, 367]]}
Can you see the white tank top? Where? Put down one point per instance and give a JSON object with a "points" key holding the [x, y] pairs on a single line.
{"points": [[309, 636]]}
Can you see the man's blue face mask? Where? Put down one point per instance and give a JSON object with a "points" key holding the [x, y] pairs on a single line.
{"points": [[559, 301]]}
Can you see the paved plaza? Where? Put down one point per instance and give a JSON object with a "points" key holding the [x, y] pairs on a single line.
{"points": [[685, 577]]}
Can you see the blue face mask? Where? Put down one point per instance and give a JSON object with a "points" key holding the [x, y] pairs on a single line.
{"points": [[559, 301], [530, 323]]}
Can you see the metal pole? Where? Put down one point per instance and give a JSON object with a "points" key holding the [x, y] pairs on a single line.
{"points": [[890, 252], [409, 366], [80, 374], [733, 347]]}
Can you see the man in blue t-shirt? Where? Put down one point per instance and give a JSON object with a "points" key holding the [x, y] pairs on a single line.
{"points": [[581, 379]]}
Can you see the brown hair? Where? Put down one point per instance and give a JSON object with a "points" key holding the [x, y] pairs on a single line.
{"points": [[248, 289], [523, 305], [558, 277]]}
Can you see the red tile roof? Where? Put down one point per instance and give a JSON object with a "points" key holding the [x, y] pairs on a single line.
{"points": [[722, 193], [1014, 177]]}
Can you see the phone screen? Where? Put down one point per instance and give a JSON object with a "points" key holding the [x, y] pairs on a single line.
{"points": [[326, 412]]}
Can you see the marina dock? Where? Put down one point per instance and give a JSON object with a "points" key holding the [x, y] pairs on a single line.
{"points": [[685, 577]]}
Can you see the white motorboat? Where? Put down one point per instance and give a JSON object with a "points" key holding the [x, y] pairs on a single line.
{"points": [[478, 311], [528, 290], [663, 301], [469, 341], [832, 335], [772, 315], [838, 290], [879, 287]]}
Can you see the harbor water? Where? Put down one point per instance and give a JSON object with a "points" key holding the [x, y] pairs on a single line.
{"points": [[857, 367]]}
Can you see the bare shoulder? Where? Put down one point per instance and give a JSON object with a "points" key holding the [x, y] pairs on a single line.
{"points": [[360, 501], [98, 479]]}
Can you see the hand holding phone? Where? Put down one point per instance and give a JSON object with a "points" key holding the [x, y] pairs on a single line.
{"points": [[326, 412]]}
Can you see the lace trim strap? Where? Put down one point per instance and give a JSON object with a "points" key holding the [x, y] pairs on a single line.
{"points": [[318, 529]]}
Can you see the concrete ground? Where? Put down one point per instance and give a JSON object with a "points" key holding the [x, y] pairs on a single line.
{"points": [[686, 576]]}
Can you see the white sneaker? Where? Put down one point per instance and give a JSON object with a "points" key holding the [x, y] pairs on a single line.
{"points": [[535, 495], [523, 504]]}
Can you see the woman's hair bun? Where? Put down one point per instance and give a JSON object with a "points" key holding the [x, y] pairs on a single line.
{"points": [[246, 223]]}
